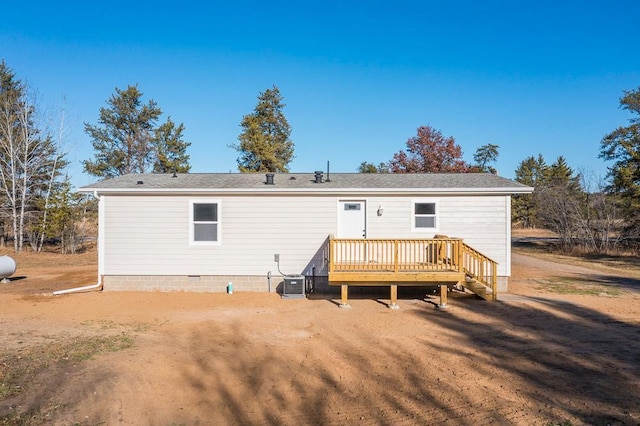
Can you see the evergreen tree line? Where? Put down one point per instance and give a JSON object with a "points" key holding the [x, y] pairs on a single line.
{"points": [[581, 212], [39, 205], [596, 216]]}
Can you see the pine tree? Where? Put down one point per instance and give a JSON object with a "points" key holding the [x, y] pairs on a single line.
{"points": [[622, 146], [69, 214], [171, 149], [524, 208], [126, 139], [264, 144], [560, 174], [484, 156]]}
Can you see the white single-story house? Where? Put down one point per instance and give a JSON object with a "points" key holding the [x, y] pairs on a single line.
{"points": [[202, 231]]}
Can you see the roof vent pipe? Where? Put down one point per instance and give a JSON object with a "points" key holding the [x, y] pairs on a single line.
{"points": [[318, 177], [269, 179]]}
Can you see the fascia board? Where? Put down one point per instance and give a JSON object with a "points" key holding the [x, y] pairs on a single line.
{"points": [[307, 191]]}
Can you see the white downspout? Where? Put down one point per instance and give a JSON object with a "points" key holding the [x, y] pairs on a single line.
{"points": [[76, 289], [97, 285], [101, 231]]}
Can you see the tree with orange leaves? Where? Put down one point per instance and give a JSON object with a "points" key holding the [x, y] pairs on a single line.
{"points": [[430, 152]]}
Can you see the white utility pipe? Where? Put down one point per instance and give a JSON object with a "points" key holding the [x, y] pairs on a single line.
{"points": [[73, 290]]}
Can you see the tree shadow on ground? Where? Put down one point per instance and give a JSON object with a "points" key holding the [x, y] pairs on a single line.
{"points": [[561, 361], [625, 283], [529, 360], [377, 384], [576, 358]]}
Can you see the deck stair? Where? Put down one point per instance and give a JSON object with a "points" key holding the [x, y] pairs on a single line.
{"points": [[480, 273], [478, 288]]}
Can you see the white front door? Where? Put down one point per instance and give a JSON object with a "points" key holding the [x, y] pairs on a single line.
{"points": [[352, 219]]}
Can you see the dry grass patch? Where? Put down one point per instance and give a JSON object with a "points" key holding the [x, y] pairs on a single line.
{"points": [[574, 286], [544, 248], [19, 371], [19, 368]]}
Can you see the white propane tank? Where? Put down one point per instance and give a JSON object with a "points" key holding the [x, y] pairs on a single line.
{"points": [[7, 267]]}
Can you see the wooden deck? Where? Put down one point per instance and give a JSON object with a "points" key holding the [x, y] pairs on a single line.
{"points": [[410, 262]]}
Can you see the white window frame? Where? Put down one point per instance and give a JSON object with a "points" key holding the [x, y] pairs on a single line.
{"points": [[436, 215], [192, 222]]}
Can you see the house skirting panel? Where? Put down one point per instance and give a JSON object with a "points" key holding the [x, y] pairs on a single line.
{"points": [[219, 283], [190, 283]]}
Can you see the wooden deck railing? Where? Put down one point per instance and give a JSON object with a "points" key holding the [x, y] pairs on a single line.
{"points": [[412, 256], [398, 255]]}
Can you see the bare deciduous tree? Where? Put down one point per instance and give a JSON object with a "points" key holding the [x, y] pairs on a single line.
{"points": [[29, 159]]}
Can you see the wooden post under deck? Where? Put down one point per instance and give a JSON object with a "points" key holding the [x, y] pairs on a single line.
{"points": [[344, 296], [394, 296], [443, 296]]}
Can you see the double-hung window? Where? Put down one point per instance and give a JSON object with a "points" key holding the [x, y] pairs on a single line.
{"points": [[204, 222], [425, 215]]}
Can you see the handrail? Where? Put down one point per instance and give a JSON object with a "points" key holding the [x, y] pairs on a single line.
{"points": [[481, 268]]}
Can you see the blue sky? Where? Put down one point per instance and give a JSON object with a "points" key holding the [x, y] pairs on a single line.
{"points": [[358, 77]]}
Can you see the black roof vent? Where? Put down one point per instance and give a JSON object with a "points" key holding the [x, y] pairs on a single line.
{"points": [[139, 182], [269, 179], [318, 177]]}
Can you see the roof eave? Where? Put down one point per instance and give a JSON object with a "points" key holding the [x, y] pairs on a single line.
{"points": [[306, 191]]}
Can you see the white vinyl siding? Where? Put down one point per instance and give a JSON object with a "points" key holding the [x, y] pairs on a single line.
{"points": [[148, 235], [482, 221]]}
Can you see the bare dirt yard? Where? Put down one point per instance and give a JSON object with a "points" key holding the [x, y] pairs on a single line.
{"points": [[561, 348]]}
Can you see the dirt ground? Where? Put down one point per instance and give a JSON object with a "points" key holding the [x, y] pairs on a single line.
{"points": [[561, 348]]}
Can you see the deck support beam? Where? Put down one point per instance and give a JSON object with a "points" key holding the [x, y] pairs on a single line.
{"points": [[394, 297], [344, 296], [443, 296]]}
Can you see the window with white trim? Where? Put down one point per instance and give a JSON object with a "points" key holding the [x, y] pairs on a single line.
{"points": [[204, 222], [425, 215]]}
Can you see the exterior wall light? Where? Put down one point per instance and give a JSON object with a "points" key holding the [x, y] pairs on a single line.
{"points": [[380, 210]]}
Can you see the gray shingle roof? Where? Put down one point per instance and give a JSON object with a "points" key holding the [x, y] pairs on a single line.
{"points": [[304, 182]]}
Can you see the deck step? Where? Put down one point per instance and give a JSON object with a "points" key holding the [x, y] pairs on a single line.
{"points": [[478, 288]]}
